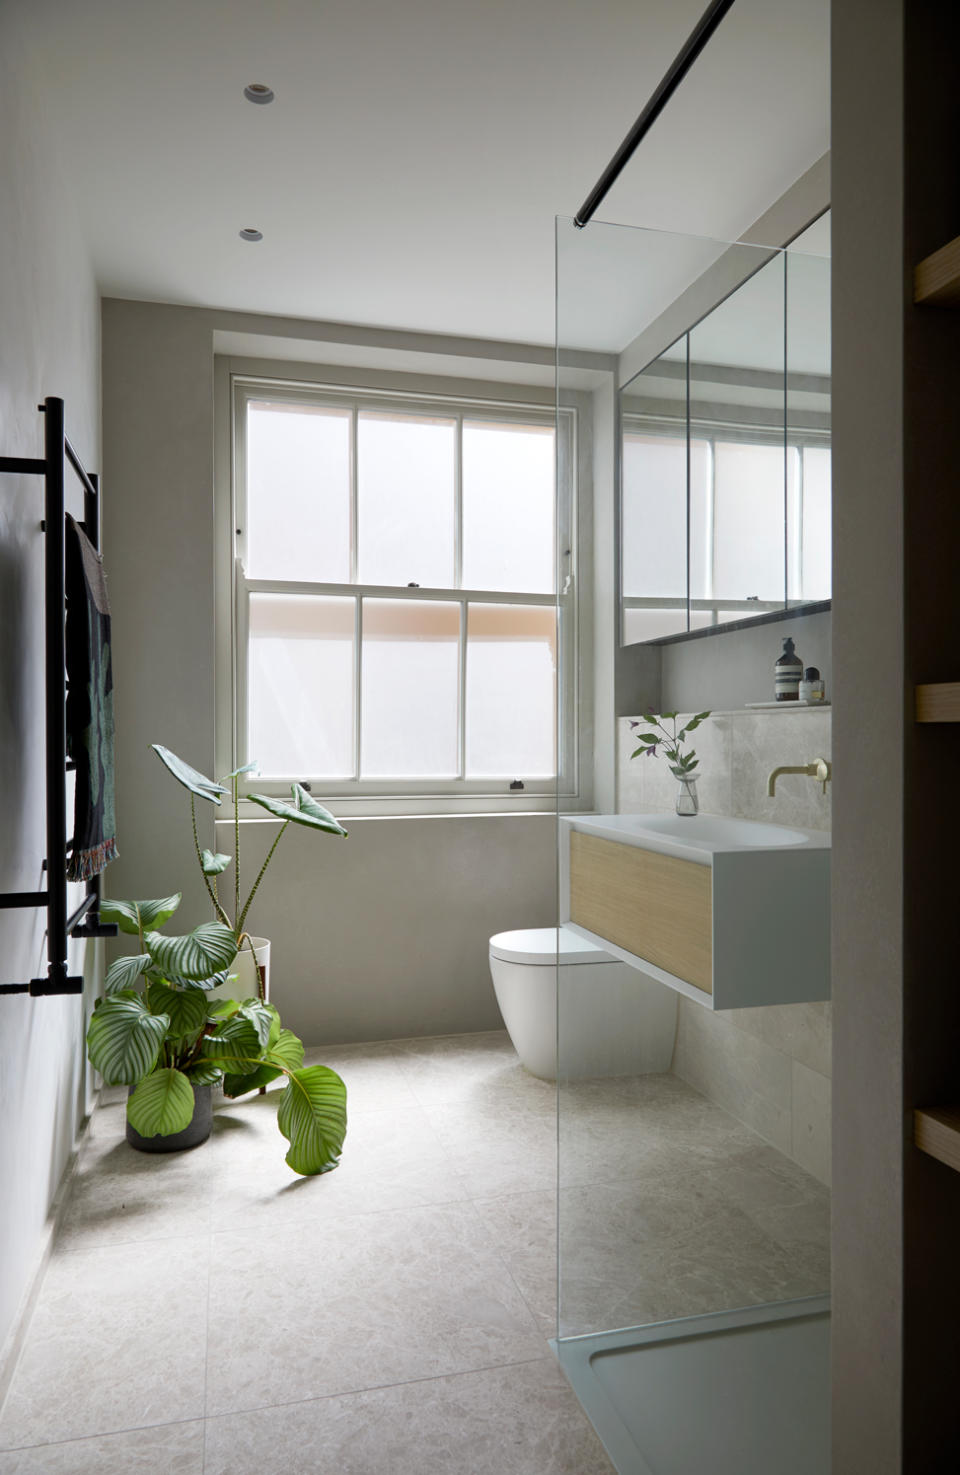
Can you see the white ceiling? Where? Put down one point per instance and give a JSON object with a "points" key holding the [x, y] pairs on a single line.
{"points": [[409, 171]]}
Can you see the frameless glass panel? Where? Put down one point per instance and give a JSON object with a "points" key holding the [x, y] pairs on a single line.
{"points": [[298, 493], [300, 685], [508, 507], [409, 704], [663, 1114], [511, 691], [405, 506]]}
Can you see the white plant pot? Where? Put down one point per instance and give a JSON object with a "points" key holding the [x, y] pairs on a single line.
{"points": [[243, 982]]}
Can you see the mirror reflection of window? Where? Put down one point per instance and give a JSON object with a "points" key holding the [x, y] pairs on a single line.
{"points": [[725, 454]]}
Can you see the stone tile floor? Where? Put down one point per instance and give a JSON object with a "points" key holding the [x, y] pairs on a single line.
{"points": [[209, 1313]]}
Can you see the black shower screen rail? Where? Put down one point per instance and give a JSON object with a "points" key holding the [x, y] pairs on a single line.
{"points": [[84, 921]]}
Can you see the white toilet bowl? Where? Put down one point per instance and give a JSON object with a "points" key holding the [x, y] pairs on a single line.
{"points": [[614, 1021]]}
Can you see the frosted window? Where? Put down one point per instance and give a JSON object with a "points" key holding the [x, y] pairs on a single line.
{"points": [[654, 501], [652, 624], [509, 538], [298, 493], [410, 701], [816, 578], [405, 468], [300, 685], [511, 691], [749, 521]]}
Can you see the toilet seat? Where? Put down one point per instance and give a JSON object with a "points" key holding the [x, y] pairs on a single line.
{"points": [[538, 945]]}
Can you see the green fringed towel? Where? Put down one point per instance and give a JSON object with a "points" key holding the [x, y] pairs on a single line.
{"points": [[89, 707]]}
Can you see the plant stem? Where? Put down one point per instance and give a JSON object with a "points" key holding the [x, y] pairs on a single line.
{"points": [[236, 853], [243, 915], [217, 908]]}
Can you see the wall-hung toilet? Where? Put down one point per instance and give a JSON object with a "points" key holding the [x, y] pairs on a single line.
{"points": [[614, 1021]]}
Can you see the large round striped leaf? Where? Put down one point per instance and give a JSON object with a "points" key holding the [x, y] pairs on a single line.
{"points": [[263, 1017], [125, 972], [303, 810], [175, 981], [124, 1039], [195, 956], [131, 916], [185, 1008], [313, 1118], [161, 1105], [283, 1053], [234, 1086], [196, 782], [238, 1040]]}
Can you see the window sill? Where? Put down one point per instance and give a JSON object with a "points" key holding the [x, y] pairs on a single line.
{"points": [[475, 807]]}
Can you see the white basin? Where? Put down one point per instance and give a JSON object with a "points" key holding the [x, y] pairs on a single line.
{"points": [[697, 837]]}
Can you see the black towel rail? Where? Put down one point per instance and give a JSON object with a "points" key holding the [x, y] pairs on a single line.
{"points": [[84, 921]]}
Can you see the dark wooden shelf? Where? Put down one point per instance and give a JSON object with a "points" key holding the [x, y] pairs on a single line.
{"points": [[938, 702], [937, 278], [936, 1131]]}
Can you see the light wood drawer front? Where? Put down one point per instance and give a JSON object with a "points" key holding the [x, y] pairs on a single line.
{"points": [[653, 905]]}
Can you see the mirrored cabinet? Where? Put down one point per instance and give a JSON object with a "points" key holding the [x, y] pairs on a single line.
{"points": [[725, 451]]}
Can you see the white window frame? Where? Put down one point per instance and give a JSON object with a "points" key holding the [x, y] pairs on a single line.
{"points": [[238, 383]]}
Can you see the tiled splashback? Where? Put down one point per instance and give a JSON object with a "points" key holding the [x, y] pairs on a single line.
{"points": [[737, 753], [769, 1067]]}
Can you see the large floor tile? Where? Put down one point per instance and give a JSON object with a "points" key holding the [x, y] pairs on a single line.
{"points": [[518, 1420], [667, 1246], [452, 1067], [117, 1194], [163, 1449], [390, 1160], [524, 1230], [375, 1076], [117, 1340], [359, 1301]]}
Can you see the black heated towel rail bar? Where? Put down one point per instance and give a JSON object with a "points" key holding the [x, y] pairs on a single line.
{"points": [[84, 921]]}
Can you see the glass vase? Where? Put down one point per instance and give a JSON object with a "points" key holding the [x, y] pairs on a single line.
{"points": [[687, 801]]}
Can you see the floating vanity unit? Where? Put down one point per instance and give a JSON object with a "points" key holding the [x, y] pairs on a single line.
{"points": [[729, 912]]}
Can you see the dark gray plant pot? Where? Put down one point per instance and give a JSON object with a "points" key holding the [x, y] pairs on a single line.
{"points": [[198, 1131]]}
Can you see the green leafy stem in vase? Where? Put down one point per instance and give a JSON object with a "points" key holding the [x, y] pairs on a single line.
{"points": [[683, 763]]}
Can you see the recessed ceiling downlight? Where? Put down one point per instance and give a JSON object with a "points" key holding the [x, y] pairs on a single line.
{"points": [[258, 92], [249, 234]]}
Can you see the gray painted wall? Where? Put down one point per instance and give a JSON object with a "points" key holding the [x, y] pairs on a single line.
{"points": [[49, 340], [381, 936]]}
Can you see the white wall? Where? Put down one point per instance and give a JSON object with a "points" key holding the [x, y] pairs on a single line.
{"points": [[379, 936], [49, 345]]}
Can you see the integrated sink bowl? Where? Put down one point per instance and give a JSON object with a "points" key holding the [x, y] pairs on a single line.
{"points": [[731, 912]]}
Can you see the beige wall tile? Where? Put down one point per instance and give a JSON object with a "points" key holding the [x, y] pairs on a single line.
{"points": [[745, 1075], [802, 1031], [811, 1121]]}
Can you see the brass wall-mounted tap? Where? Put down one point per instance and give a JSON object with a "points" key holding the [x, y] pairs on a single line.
{"points": [[819, 769]]}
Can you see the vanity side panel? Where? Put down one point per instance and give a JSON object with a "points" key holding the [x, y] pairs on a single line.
{"points": [[650, 904], [772, 928]]}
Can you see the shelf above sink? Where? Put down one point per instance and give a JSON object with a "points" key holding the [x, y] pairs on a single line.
{"points": [[732, 913]]}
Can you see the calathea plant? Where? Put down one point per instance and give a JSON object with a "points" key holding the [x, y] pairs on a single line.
{"points": [[157, 1030]]}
